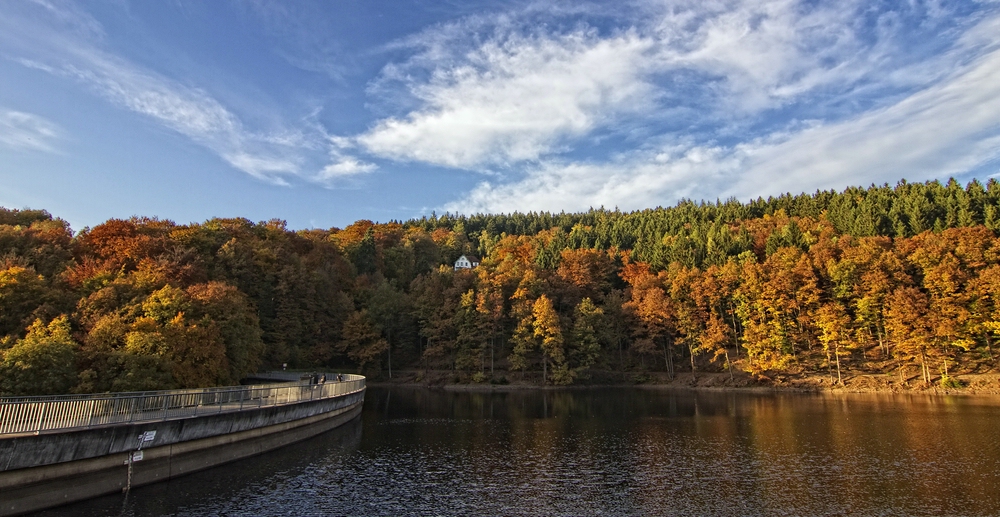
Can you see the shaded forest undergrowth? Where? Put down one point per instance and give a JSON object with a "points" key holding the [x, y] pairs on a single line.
{"points": [[879, 288], [805, 382]]}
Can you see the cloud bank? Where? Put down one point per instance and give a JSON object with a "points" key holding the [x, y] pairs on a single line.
{"points": [[702, 99]]}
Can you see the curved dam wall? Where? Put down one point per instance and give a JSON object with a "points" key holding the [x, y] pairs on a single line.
{"points": [[43, 470]]}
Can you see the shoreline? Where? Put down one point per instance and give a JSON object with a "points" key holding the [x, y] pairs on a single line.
{"points": [[985, 385]]}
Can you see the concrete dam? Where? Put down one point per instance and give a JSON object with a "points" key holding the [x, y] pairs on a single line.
{"points": [[61, 449]]}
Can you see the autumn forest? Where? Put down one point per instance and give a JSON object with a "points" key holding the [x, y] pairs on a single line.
{"points": [[897, 280]]}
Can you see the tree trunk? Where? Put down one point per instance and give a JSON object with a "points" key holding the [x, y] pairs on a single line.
{"points": [[668, 358], [925, 372], [736, 331], [882, 342], [802, 331], [836, 354], [621, 357]]}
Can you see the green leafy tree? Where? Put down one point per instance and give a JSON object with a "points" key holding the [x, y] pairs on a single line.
{"points": [[389, 308], [523, 339], [362, 341], [43, 363], [833, 324], [225, 310], [548, 331], [21, 292], [473, 333], [586, 345]]}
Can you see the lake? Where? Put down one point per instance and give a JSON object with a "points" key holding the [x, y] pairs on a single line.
{"points": [[612, 451]]}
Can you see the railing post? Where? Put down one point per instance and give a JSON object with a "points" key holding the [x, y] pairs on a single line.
{"points": [[41, 415], [131, 409]]}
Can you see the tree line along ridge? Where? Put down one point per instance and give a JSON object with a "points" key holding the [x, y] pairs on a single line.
{"points": [[902, 280]]}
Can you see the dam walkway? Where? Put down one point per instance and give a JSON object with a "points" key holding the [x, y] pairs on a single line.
{"points": [[61, 413]]}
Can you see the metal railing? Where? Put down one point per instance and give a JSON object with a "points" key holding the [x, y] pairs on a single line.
{"points": [[65, 412], [282, 376]]}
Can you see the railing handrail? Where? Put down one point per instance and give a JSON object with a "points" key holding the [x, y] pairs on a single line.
{"points": [[126, 394], [63, 412], [283, 375]]}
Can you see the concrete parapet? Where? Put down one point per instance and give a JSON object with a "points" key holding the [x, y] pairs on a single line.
{"points": [[45, 470]]}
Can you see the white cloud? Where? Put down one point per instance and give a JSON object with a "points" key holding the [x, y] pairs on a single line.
{"points": [[27, 132], [71, 18], [342, 166], [192, 113], [637, 105], [942, 116], [762, 52], [262, 167], [503, 92], [186, 110], [65, 41], [945, 129], [516, 98], [641, 180]]}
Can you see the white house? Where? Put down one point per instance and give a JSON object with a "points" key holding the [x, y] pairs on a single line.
{"points": [[466, 262]]}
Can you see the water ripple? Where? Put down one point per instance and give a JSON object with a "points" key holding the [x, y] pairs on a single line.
{"points": [[611, 453]]}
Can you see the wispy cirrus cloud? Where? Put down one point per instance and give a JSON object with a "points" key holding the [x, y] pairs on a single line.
{"points": [[937, 124], [191, 112], [59, 38], [946, 129], [22, 131], [730, 98]]}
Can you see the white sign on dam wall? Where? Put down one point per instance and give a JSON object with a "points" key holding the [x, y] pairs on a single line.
{"points": [[56, 450]]}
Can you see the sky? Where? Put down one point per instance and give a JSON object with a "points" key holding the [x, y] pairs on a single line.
{"points": [[323, 112]]}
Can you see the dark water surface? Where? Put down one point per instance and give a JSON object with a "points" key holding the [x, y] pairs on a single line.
{"points": [[612, 452]]}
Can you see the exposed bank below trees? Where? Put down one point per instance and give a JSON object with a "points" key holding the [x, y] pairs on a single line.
{"points": [[980, 384]]}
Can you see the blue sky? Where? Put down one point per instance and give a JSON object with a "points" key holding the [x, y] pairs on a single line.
{"points": [[324, 112]]}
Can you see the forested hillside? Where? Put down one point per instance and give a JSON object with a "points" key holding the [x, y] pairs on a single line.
{"points": [[901, 280]]}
